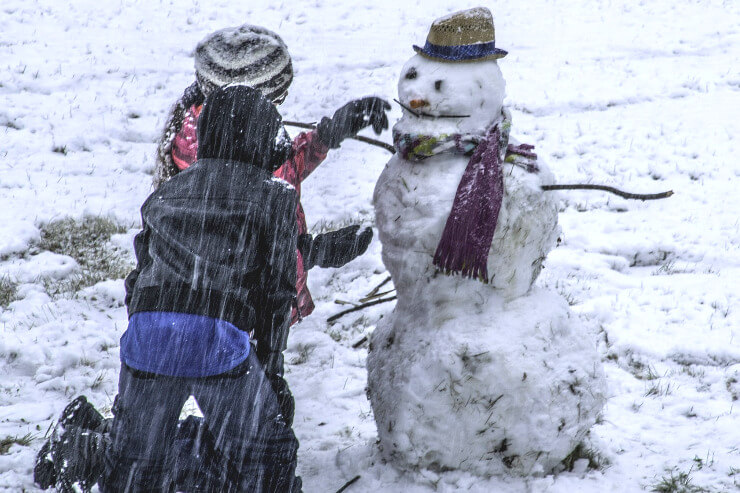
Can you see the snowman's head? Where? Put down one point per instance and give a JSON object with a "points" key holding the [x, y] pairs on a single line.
{"points": [[450, 97]]}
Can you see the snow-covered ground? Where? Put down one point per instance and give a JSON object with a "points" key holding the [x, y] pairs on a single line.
{"points": [[639, 95]]}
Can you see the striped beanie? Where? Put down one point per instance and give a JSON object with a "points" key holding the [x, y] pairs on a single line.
{"points": [[247, 54]]}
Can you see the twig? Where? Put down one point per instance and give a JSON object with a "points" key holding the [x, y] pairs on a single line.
{"points": [[367, 140], [359, 343], [392, 150], [419, 114], [377, 295], [359, 307], [616, 191], [377, 288], [348, 484], [576, 186], [342, 302]]}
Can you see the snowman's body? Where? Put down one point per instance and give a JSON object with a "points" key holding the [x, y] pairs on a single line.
{"points": [[414, 199], [484, 377]]}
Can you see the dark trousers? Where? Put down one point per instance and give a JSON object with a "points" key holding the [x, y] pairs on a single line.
{"points": [[255, 446]]}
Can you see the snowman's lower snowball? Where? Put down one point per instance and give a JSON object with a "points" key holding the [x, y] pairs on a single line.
{"points": [[517, 397]]}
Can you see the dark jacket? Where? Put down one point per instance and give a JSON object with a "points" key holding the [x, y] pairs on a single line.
{"points": [[219, 239], [177, 150]]}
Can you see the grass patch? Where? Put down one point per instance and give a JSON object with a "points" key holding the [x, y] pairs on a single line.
{"points": [[100, 379], [677, 483], [77, 238], [564, 289], [657, 389], [639, 369], [8, 442], [8, 291], [669, 268], [666, 269], [596, 461], [645, 372], [304, 352], [572, 300], [87, 241], [733, 388], [707, 461]]}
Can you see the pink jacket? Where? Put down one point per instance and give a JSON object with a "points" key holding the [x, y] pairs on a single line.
{"points": [[308, 153]]}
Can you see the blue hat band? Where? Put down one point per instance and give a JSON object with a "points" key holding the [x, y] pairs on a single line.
{"points": [[461, 52]]}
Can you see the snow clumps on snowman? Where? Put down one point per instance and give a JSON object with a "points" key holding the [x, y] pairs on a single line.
{"points": [[476, 369]]}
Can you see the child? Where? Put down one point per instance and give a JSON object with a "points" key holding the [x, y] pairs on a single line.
{"points": [[216, 261], [259, 58]]}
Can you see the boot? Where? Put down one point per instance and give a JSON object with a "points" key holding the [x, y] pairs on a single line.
{"points": [[78, 458], [43, 469], [80, 415]]}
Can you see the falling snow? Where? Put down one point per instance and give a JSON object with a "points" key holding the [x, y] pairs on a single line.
{"points": [[638, 96]]}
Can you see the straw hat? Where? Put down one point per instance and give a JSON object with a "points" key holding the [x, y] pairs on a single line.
{"points": [[464, 36]]}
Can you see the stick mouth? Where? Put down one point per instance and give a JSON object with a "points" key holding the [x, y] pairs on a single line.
{"points": [[422, 114]]}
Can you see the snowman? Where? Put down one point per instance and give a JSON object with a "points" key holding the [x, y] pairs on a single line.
{"points": [[475, 369]]}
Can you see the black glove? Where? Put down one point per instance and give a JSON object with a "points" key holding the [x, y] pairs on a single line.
{"points": [[304, 246], [335, 248], [351, 118]]}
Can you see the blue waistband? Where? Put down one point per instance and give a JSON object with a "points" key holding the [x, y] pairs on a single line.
{"points": [[182, 344]]}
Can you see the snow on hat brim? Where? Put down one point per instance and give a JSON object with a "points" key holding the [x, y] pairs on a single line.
{"points": [[247, 54], [464, 36]]}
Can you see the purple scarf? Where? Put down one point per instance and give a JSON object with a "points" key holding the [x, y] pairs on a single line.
{"points": [[468, 233], [466, 239]]}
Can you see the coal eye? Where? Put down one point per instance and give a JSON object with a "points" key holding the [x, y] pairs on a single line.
{"points": [[438, 85], [411, 74]]}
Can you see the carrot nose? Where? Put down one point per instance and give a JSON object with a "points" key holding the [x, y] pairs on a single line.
{"points": [[418, 103]]}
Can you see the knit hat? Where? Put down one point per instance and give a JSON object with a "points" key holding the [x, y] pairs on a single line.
{"points": [[247, 54]]}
